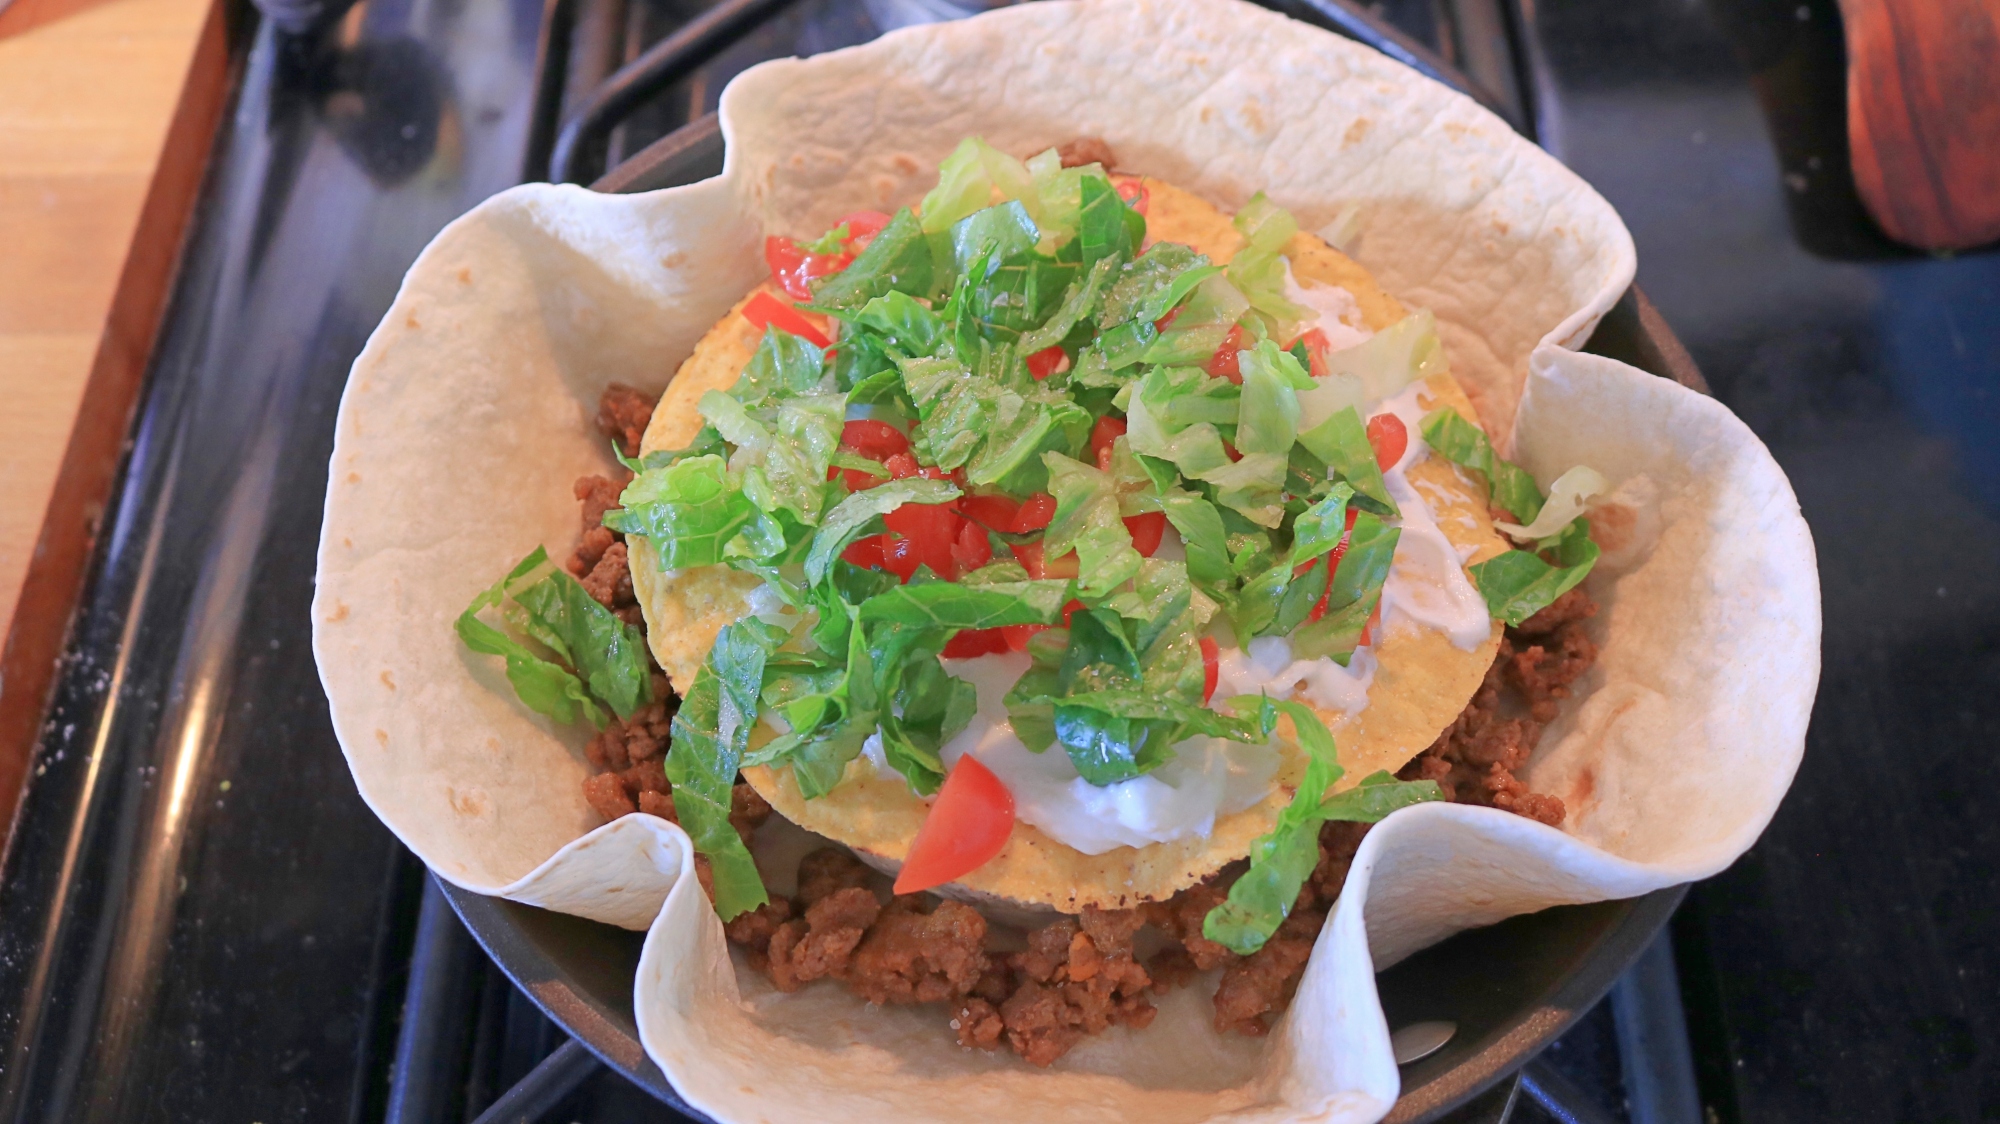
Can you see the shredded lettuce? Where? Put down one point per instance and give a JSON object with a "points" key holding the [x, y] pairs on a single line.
{"points": [[1341, 441], [1282, 859], [690, 511], [1087, 521], [1464, 443], [1568, 498], [1378, 367], [897, 260], [1258, 270], [710, 732], [1519, 583], [592, 649]]}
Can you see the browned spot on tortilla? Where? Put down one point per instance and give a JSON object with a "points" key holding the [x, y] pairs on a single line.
{"points": [[1502, 225], [675, 260], [904, 163], [388, 680], [469, 803], [465, 275], [1207, 114], [1355, 132], [1612, 525], [383, 737], [339, 612], [1455, 130], [410, 322], [1580, 792], [354, 478], [1253, 116], [348, 543]]}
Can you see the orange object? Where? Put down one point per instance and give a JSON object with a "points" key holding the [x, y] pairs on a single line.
{"points": [[967, 825], [1923, 117], [765, 310], [1390, 438]]}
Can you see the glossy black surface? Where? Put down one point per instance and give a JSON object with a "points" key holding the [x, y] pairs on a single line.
{"points": [[203, 922], [1847, 968]]}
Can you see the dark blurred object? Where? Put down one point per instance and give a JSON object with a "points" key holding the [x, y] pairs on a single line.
{"points": [[297, 17], [1798, 66], [1923, 117]]}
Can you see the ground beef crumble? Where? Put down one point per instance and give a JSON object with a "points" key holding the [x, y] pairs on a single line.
{"points": [[1078, 975]]}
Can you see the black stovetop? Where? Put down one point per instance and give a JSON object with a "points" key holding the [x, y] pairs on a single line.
{"points": [[202, 922]]}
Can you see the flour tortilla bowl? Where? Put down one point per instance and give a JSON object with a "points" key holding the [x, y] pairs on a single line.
{"points": [[469, 411]]}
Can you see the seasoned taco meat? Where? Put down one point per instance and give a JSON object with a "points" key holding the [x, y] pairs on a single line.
{"points": [[1079, 975]]}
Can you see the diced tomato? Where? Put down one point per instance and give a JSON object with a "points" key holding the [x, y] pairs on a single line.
{"points": [[1387, 433], [968, 824], [1017, 635], [1211, 668], [876, 440], [1147, 530], [971, 549], [1317, 346], [1222, 364], [1102, 435], [903, 466], [1029, 555], [931, 530], [1046, 362], [862, 227], [865, 553], [1164, 322], [994, 512], [1134, 193], [765, 310], [795, 270], [970, 642], [1229, 451], [1374, 622], [1333, 567], [899, 556], [1035, 513]]}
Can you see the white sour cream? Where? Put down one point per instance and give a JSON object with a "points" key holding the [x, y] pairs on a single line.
{"points": [[1207, 777], [1267, 667], [1334, 309], [1427, 585]]}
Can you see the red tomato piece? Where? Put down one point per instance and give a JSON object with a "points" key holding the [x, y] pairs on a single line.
{"points": [[1029, 555], [971, 549], [765, 310], [899, 556], [900, 465], [1229, 451], [995, 512], [1017, 635], [862, 227], [1211, 668], [931, 529], [1317, 346], [1046, 362], [1135, 194], [1035, 513], [1102, 436], [1164, 322], [1374, 622], [1147, 530], [1390, 438], [795, 270], [855, 479], [968, 824], [1222, 364], [970, 642], [1070, 609], [865, 553], [1333, 567], [875, 440]]}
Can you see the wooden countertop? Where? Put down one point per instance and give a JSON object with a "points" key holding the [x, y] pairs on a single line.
{"points": [[102, 141]]}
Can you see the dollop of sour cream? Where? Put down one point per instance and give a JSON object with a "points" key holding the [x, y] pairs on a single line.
{"points": [[1427, 585], [1335, 311], [1206, 778]]}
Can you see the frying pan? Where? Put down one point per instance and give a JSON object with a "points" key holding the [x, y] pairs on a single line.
{"points": [[1510, 988]]}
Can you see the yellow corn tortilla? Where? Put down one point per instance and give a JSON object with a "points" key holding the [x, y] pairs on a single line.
{"points": [[1421, 684]]}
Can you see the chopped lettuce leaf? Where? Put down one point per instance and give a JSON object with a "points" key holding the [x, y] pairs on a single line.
{"points": [[1201, 531], [1258, 269], [1519, 583], [710, 732], [689, 511], [1464, 443], [1341, 440], [956, 605], [1282, 859], [1568, 498], [1087, 521], [898, 260], [1376, 368], [832, 242], [544, 685], [1078, 304], [1353, 594], [607, 653], [1202, 326], [966, 182]]}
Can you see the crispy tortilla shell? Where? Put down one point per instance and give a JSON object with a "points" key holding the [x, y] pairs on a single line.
{"points": [[1421, 684]]}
